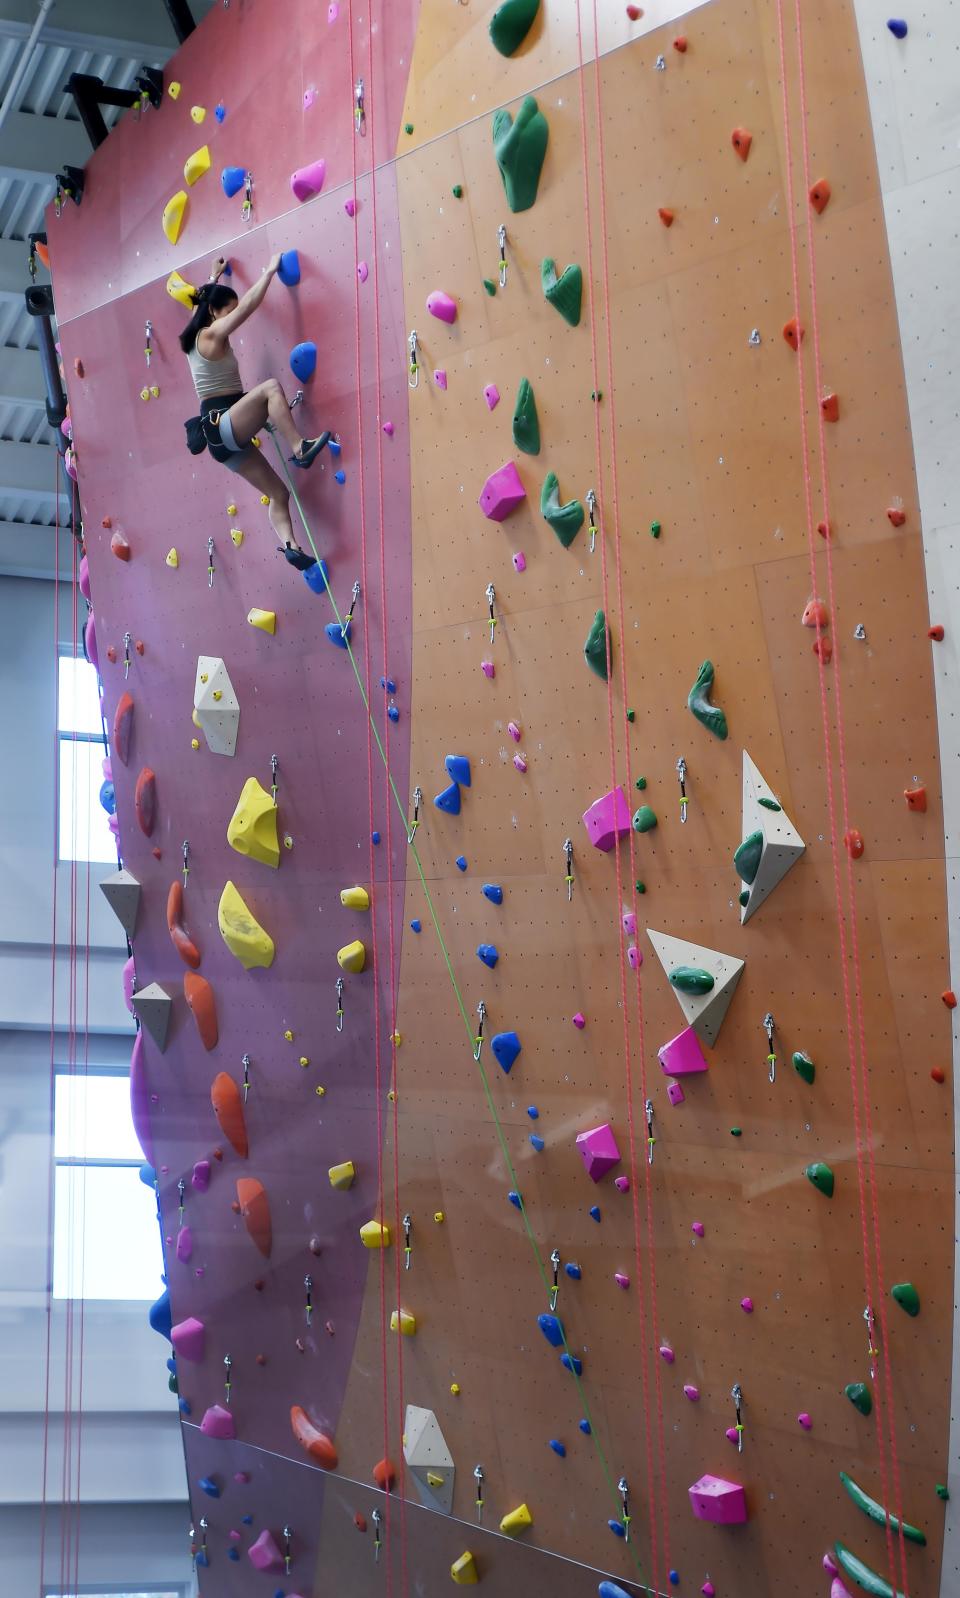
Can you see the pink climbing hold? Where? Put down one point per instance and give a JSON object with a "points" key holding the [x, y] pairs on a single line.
{"points": [[838, 1590], [241, 1477], [719, 1501], [129, 982], [598, 1150], [634, 957], [732, 1436], [708, 1589], [440, 378], [666, 1353], [629, 923], [622, 1184], [675, 1093], [519, 561], [309, 99], [697, 1227], [682, 1056], [201, 1176], [746, 1304], [691, 1392], [520, 762], [350, 206], [84, 577], [830, 1564], [264, 1554], [514, 731], [804, 1420], [363, 271], [139, 1100], [579, 1021], [218, 1422], [308, 180], [621, 1280], [502, 493], [608, 819], [184, 1244], [333, 12], [442, 306], [388, 429], [189, 1339], [492, 396], [488, 668]]}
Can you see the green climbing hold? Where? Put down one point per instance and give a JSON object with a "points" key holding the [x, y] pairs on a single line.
{"points": [[804, 1066], [596, 394], [458, 191], [859, 1396], [744, 897], [595, 648], [655, 529], [172, 1384], [490, 286], [769, 804], [691, 979], [698, 700], [907, 1297], [746, 861], [526, 423], [631, 715], [408, 127], [863, 1575], [565, 292], [566, 520], [645, 820], [520, 146], [943, 1490], [641, 887], [736, 1131], [641, 783], [822, 1178], [511, 23], [876, 1512]]}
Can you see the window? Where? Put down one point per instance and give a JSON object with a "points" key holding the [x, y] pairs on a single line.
{"points": [[83, 830], [114, 1592], [106, 1240]]}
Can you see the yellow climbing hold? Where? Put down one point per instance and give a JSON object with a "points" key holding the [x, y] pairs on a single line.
{"points": [[231, 510], [517, 1521], [194, 743], [439, 1217], [173, 215], [197, 164], [304, 1061], [173, 89], [242, 932], [375, 1234], [154, 390], [144, 393], [464, 1570], [236, 535], [352, 957], [403, 1322], [195, 719], [252, 829], [289, 1036], [198, 113], [264, 499], [434, 1480], [355, 898], [179, 289], [266, 620], [342, 1176], [455, 1389], [173, 559]]}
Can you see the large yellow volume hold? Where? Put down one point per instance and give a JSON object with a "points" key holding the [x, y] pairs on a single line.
{"points": [[352, 957], [266, 620], [355, 898], [179, 289], [402, 1321], [173, 214], [197, 164], [242, 932], [464, 1570], [252, 829], [517, 1521], [342, 1176], [375, 1234]]}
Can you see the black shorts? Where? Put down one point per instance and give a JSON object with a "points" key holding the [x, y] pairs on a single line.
{"points": [[210, 412]]}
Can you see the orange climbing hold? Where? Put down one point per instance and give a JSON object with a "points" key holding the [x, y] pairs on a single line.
{"points": [[680, 43], [317, 1444], [936, 633], [741, 139], [830, 408], [815, 614], [255, 1209], [385, 1474], [949, 998], [820, 195], [938, 1073], [793, 333], [896, 516], [199, 995], [824, 529], [227, 1102], [916, 798], [145, 801], [123, 729], [666, 216], [120, 546], [824, 648], [853, 843], [179, 936]]}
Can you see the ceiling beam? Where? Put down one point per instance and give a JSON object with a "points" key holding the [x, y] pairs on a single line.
{"points": [[30, 472], [103, 26], [21, 379], [33, 148], [30, 551]]}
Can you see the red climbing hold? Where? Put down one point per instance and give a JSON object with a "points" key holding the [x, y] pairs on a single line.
{"points": [[179, 937], [793, 333], [139, 646], [123, 729], [824, 648], [157, 854], [830, 408], [741, 139], [938, 1073], [950, 999], [360, 1521], [634, 13], [823, 528], [145, 801], [227, 1104], [680, 43], [916, 798], [896, 516], [665, 215], [853, 842], [385, 1474], [317, 1444], [199, 995], [78, 366], [107, 521], [820, 196], [112, 653], [255, 1209], [936, 633], [120, 547], [815, 614]]}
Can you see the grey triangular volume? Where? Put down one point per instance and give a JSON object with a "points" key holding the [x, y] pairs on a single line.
{"points": [[428, 1458], [122, 893], [704, 1012], [153, 1005], [782, 843]]}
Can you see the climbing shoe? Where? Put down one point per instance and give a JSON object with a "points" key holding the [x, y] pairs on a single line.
{"points": [[298, 558], [310, 449]]}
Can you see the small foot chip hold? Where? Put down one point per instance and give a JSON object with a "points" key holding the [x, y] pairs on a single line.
{"points": [[464, 1571], [741, 139], [520, 147], [820, 195], [830, 408], [517, 1521], [916, 798], [172, 559], [853, 843], [666, 215], [563, 292], [698, 702], [314, 1441], [793, 333], [896, 515], [822, 1178]]}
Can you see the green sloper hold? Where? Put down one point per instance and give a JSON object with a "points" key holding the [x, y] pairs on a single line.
{"points": [[595, 648], [698, 700], [526, 423], [746, 861], [769, 804], [565, 292], [691, 979], [511, 23], [804, 1066], [644, 819], [907, 1297], [876, 1512], [822, 1178], [520, 146], [566, 520], [863, 1575], [859, 1396]]}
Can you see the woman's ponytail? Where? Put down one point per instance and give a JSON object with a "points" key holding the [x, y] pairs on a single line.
{"points": [[209, 297]]}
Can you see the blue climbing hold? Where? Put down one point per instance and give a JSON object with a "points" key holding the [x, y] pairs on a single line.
{"points": [[493, 892], [201, 1558], [340, 477], [161, 1317], [897, 27], [289, 269], [388, 684], [586, 1428], [617, 1527], [184, 1406], [248, 1520], [234, 1554], [487, 952], [461, 862], [108, 798], [393, 713], [537, 1142], [375, 837], [505, 1045], [515, 1200], [172, 1366], [220, 111], [558, 1447], [552, 1329], [573, 1271], [338, 634], [148, 1176], [415, 924], [303, 360], [449, 800], [611, 1589], [533, 1112], [674, 1578], [334, 447], [209, 1486], [232, 179], [595, 1212], [572, 1363], [458, 767], [317, 577]]}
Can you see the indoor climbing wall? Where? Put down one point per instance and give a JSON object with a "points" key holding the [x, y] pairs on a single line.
{"points": [[546, 1075]]}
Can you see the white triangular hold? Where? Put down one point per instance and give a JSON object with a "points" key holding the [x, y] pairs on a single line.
{"points": [[428, 1458], [122, 893], [216, 705], [153, 1005], [703, 1011], [782, 843]]}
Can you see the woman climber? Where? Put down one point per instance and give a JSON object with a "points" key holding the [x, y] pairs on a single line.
{"points": [[229, 418]]}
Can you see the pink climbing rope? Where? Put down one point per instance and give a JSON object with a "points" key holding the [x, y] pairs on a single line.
{"points": [[860, 1096]]}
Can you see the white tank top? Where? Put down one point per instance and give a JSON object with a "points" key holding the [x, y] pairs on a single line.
{"points": [[213, 378]]}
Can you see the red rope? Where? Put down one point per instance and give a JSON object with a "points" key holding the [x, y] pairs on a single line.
{"points": [[874, 1288]]}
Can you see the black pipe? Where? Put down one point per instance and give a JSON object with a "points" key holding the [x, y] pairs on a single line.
{"points": [[181, 18]]}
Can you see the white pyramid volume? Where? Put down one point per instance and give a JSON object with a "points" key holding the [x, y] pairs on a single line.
{"points": [[428, 1458], [217, 706], [703, 1011], [122, 893], [153, 1005], [782, 844]]}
